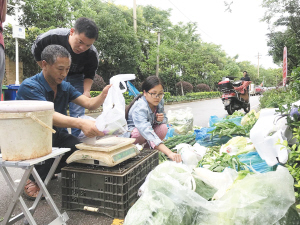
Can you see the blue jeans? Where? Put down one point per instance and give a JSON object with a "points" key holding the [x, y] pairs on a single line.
{"points": [[75, 110]]}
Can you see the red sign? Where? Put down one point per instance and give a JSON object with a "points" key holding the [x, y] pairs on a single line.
{"points": [[284, 69]]}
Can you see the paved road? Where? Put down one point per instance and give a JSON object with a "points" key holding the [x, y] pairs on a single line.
{"points": [[202, 110]]}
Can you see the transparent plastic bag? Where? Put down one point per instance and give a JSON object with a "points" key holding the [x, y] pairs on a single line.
{"points": [[169, 199], [181, 120]]}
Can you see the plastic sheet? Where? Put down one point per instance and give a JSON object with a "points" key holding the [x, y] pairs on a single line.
{"points": [[169, 199], [253, 160], [170, 132], [204, 138]]}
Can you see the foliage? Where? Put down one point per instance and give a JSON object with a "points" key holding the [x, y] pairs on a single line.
{"points": [[185, 86], [193, 96], [98, 83], [283, 17], [95, 93], [202, 88], [183, 55], [277, 97]]}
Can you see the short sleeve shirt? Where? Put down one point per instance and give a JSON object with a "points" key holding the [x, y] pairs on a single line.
{"points": [[37, 88], [84, 63]]}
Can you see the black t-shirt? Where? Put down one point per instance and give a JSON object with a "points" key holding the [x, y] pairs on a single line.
{"points": [[247, 78], [84, 63]]}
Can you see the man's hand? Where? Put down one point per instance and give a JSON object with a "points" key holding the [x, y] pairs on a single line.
{"points": [[105, 89], [89, 128], [159, 117]]}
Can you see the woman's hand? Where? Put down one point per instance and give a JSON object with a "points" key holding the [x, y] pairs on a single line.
{"points": [[175, 157], [159, 117]]}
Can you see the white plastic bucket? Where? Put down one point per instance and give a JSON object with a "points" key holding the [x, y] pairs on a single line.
{"points": [[25, 129]]}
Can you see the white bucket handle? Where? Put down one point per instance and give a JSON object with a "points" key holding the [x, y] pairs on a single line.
{"points": [[40, 122]]}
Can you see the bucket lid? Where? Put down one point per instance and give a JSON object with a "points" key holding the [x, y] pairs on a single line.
{"points": [[25, 106]]}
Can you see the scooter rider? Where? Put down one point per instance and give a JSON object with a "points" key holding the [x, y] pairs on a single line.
{"points": [[246, 77]]}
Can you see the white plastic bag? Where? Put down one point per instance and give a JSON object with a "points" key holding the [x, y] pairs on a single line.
{"points": [[112, 121], [266, 133], [191, 155]]}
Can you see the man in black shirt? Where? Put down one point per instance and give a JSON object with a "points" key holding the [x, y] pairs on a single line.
{"points": [[246, 76], [79, 43]]}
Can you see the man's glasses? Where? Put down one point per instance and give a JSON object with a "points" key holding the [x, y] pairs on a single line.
{"points": [[154, 95]]}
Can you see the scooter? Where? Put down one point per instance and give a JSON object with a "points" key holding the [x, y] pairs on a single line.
{"points": [[235, 95]]}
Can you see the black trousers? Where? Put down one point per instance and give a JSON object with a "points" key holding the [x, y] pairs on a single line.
{"points": [[61, 140]]}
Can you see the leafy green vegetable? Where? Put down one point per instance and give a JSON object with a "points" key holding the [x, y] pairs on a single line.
{"points": [[249, 120], [218, 162], [235, 114], [227, 128], [178, 139]]}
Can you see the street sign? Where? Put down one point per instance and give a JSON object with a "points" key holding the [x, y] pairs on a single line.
{"points": [[284, 69], [18, 32]]}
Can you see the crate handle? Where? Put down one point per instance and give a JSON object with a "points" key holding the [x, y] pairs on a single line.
{"points": [[91, 209]]}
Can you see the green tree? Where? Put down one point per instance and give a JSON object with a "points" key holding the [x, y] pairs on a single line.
{"points": [[283, 17]]}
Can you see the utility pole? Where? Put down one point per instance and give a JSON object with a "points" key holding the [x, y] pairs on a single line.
{"points": [[258, 64], [157, 59], [134, 16], [16, 28]]}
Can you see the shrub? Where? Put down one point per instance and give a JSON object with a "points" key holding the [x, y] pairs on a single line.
{"points": [[186, 86], [277, 97], [202, 88], [98, 83], [95, 93]]}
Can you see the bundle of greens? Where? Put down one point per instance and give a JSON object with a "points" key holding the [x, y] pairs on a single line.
{"points": [[249, 120], [178, 139], [235, 114], [227, 128]]}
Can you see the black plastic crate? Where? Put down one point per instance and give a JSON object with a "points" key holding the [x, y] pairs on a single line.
{"points": [[225, 85], [107, 190]]}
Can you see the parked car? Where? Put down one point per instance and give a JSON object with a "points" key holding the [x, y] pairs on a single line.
{"points": [[259, 90]]}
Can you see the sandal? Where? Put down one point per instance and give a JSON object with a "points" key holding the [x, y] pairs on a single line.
{"points": [[31, 190]]}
